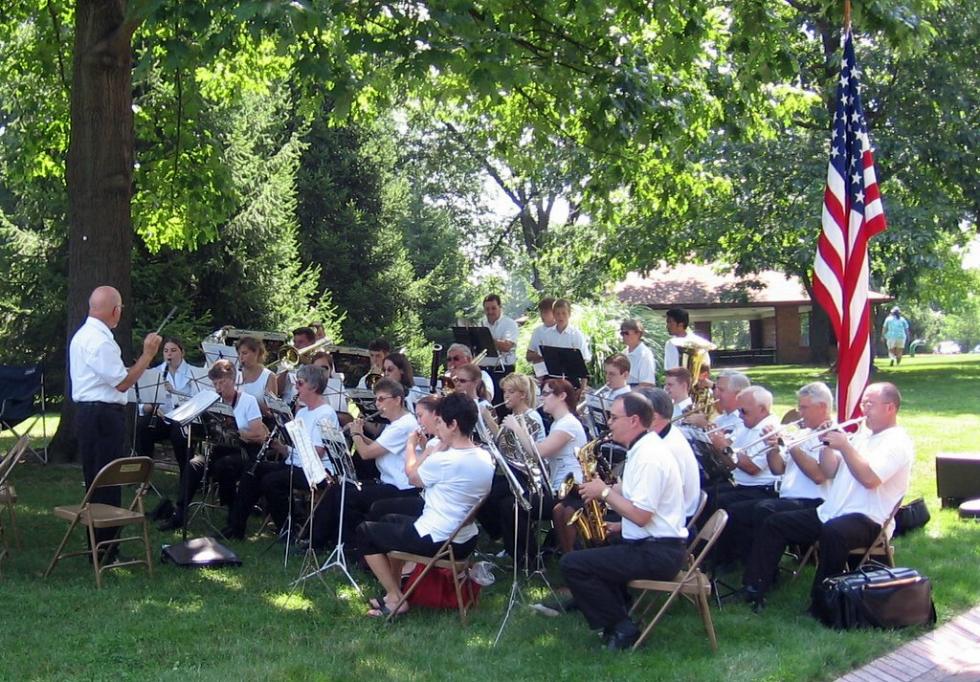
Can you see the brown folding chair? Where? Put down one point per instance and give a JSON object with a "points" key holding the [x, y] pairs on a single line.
{"points": [[693, 523], [445, 557], [882, 545], [690, 582], [8, 494], [129, 471]]}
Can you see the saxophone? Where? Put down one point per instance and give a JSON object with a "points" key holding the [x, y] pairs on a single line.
{"points": [[590, 518]]}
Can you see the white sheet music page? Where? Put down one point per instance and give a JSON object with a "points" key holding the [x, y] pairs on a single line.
{"points": [[312, 466]]}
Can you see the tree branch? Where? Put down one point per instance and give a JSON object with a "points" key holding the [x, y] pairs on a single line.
{"points": [[53, 13], [487, 166]]}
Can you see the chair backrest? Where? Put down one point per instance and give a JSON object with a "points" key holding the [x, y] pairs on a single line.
{"points": [[707, 537], [467, 520], [18, 386], [12, 457], [121, 472], [702, 503]]}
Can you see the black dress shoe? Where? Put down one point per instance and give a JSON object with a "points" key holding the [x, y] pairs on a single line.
{"points": [[230, 533], [173, 523], [754, 598], [623, 636]]}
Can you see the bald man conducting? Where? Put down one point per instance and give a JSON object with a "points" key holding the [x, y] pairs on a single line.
{"points": [[99, 382]]}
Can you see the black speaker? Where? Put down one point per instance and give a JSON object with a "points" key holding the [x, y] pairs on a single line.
{"points": [[957, 477]]}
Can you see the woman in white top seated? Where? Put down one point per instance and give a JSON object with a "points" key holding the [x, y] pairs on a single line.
{"points": [[253, 377], [560, 449], [334, 392], [468, 380], [398, 367], [455, 478], [151, 427]]}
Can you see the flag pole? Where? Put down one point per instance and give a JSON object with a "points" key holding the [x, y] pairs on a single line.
{"points": [[847, 15]]}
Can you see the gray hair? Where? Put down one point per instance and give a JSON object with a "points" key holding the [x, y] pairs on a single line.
{"points": [[758, 395], [313, 375], [737, 381], [662, 405], [460, 347], [818, 392]]}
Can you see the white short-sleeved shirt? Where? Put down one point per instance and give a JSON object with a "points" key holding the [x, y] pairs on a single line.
{"points": [[680, 407], [504, 329], [311, 420], [795, 483], [571, 337], [246, 410], [672, 356], [565, 461], [535, 345], [391, 465], [643, 367], [890, 455], [757, 453], [652, 482], [687, 467], [181, 380], [455, 481], [256, 388], [95, 364]]}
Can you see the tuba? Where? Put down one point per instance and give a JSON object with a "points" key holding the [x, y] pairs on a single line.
{"points": [[590, 519], [693, 351]]}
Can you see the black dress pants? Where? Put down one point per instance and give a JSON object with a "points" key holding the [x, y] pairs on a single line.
{"points": [[227, 464], [745, 520], [153, 429], [598, 577], [837, 538], [357, 505], [100, 430], [251, 487], [397, 532]]}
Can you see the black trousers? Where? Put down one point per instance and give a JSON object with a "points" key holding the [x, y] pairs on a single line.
{"points": [[403, 506], [357, 506], [496, 516], [271, 481], [726, 548], [597, 577], [397, 532], [100, 430], [227, 464], [837, 538], [745, 519], [153, 429]]}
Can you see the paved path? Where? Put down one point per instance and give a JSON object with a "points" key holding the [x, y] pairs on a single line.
{"points": [[950, 652]]}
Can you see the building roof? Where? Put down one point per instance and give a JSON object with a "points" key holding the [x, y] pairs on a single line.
{"points": [[705, 286]]}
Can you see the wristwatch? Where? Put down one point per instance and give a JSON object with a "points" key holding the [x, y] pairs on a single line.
{"points": [[605, 493]]}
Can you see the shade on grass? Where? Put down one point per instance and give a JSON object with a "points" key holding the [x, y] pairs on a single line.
{"points": [[248, 624]]}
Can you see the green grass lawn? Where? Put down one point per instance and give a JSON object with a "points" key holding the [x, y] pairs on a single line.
{"points": [[248, 624]]}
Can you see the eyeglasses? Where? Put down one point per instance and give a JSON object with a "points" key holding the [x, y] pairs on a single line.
{"points": [[625, 332], [380, 398]]}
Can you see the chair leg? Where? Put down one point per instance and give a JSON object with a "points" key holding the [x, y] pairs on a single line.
{"points": [[95, 555], [146, 544], [13, 525], [57, 553], [411, 589], [459, 595], [705, 609], [658, 616]]}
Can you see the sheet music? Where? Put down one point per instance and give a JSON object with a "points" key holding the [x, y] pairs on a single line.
{"points": [[278, 405], [336, 447], [218, 351], [193, 408], [149, 387], [303, 446]]}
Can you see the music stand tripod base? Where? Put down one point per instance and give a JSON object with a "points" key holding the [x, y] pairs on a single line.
{"points": [[337, 558]]}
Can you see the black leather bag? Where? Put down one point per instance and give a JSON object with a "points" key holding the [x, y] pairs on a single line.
{"points": [[911, 516], [875, 596]]}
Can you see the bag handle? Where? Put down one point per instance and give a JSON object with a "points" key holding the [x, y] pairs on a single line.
{"points": [[872, 565]]}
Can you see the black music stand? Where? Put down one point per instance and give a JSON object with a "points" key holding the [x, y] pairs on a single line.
{"points": [[565, 363], [478, 340]]}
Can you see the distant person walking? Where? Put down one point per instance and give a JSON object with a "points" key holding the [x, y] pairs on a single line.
{"points": [[896, 333]]}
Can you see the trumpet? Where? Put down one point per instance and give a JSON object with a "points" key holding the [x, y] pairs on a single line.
{"points": [[778, 430], [704, 409], [857, 421]]}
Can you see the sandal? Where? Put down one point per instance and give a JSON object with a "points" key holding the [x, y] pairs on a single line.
{"points": [[383, 611]]}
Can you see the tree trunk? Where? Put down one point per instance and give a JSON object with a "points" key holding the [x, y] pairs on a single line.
{"points": [[99, 176]]}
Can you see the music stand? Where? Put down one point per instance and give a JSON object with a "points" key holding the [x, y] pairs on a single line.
{"points": [[364, 399], [566, 363], [183, 415], [478, 340], [597, 407], [218, 351], [149, 389]]}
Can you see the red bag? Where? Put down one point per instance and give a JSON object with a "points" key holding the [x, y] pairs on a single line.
{"points": [[436, 591]]}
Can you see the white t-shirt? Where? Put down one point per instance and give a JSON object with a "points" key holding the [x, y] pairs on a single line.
{"points": [[672, 356], [257, 388], [652, 482], [391, 465], [95, 364], [535, 345], [890, 454], [757, 453], [565, 461], [643, 367], [311, 420], [795, 483], [182, 380], [246, 410], [687, 467], [504, 329], [569, 338], [455, 481]]}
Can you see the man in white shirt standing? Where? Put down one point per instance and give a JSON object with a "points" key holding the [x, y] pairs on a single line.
{"points": [[643, 368], [533, 354], [504, 332], [654, 536], [564, 335], [869, 476], [678, 321], [99, 382]]}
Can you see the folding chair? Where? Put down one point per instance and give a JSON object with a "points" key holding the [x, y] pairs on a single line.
{"points": [[693, 523], [129, 471], [445, 557], [690, 582], [22, 400], [8, 495], [882, 545]]}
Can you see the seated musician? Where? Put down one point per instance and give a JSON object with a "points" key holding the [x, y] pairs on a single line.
{"points": [[753, 479], [869, 475], [563, 334], [803, 483], [226, 462], [398, 367], [460, 354], [286, 381], [387, 451], [334, 391], [254, 377], [559, 450], [455, 479], [727, 419], [469, 380], [533, 352], [497, 514], [643, 367], [653, 545], [151, 427], [377, 350], [271, 478], [678, 446], [677, 383]]}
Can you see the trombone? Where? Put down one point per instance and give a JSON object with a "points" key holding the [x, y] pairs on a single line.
{"points": [[289, 357]]}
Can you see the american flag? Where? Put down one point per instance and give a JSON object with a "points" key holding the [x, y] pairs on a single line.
{"points": [[852, 214]]}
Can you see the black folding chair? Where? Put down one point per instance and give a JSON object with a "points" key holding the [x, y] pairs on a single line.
{"points": [[22, 403]]}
